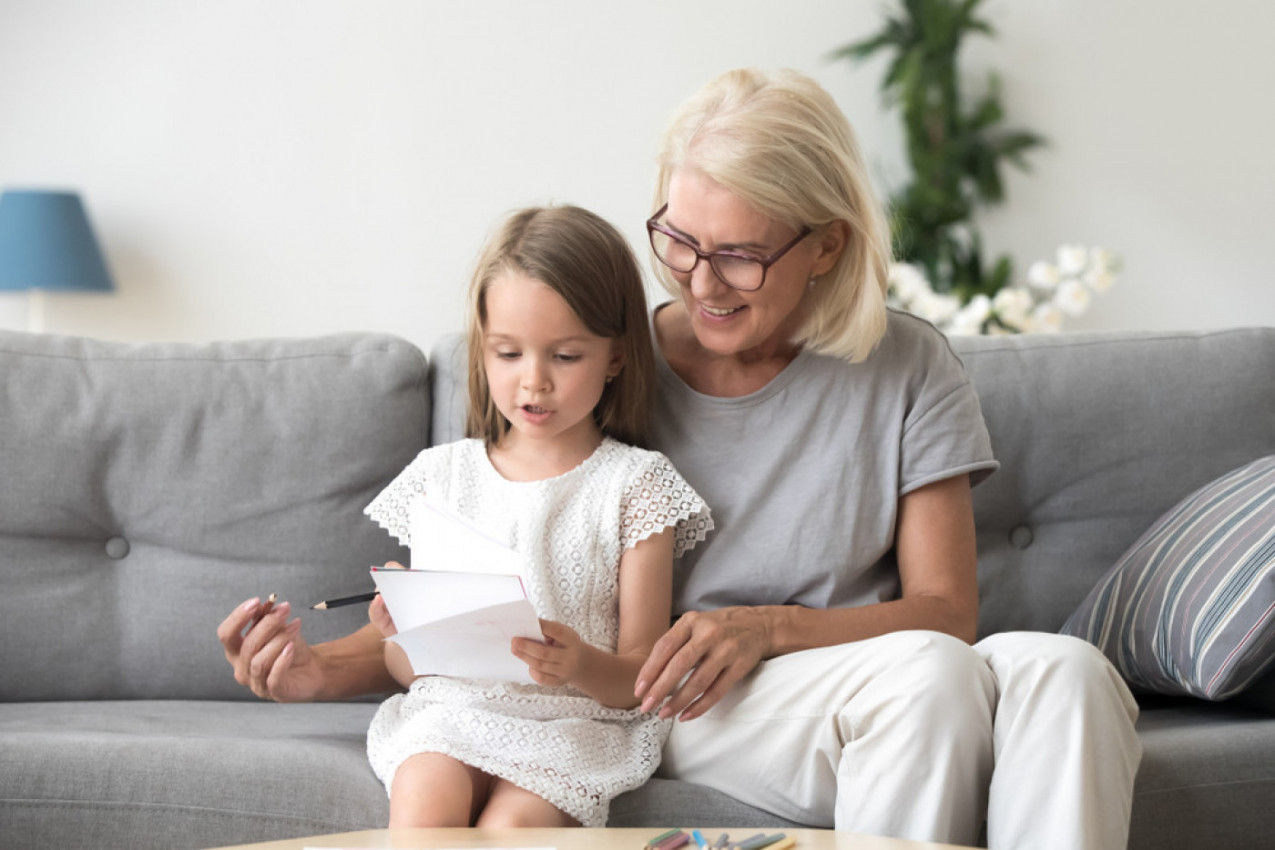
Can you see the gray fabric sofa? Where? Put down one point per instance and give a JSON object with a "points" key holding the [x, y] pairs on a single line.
{"points": [[147, 489]]}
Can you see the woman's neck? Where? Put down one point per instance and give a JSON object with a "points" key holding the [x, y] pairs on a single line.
{"points": [[518, 457], [712, 373]]}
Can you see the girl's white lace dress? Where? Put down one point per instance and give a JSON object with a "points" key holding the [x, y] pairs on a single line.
{"points": [[554, 741]]}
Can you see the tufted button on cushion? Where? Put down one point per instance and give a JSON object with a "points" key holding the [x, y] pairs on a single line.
{"points": [[117, 548], [1021, 537]]}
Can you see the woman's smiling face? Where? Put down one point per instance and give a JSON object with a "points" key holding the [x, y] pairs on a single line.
{"points": [[727, 321]]}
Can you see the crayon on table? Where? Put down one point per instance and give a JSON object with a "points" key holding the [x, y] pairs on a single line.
{"points": [[663, 836], [783, 844], [699, 839], [759, 841], [673, 843]]}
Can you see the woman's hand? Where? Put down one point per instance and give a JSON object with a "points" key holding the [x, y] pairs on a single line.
{"points": [[557, 660], [717, 648], [269, 655]]}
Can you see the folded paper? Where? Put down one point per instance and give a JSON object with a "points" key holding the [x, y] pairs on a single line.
{"points": [[462, 602]]}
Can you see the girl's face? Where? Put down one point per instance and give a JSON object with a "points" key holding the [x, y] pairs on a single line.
{"points": [[545, 369], [727, 321]]}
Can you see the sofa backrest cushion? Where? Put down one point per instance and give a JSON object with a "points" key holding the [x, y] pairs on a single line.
{"points": [[1098, 434], [147, 489]]}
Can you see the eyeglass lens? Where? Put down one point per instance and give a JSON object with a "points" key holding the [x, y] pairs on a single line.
{"points": [[736, 271]]}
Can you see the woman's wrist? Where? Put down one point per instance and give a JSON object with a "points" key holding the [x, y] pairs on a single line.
{"points": [[777, 629]]}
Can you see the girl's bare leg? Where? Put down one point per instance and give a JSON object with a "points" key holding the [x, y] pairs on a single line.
{"points": [[431, 789], [511, 805]]}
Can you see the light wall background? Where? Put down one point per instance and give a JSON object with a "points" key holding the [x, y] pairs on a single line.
{"points": [[280, 168]]}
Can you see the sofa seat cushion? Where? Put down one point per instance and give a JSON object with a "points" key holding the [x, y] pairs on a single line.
{"points": [[1207, 775], [172, 774]]}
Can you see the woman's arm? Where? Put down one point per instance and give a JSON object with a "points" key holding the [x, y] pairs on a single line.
{"points": [[937, 560], [646, 590], [273, 659]]}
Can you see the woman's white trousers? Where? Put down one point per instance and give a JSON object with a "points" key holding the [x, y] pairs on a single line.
{"points": [[918, 735]]}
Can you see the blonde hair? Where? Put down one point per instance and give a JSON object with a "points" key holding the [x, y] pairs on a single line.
{"points": [[585, 260], [779, 141]]}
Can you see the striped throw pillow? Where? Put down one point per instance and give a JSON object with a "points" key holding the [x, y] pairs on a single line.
{"points": [[1189, 609]]}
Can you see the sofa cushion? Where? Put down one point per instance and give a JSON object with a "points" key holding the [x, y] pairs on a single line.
{"points": [[1098, 434], [1188, 609], [1207, 776], [172, 774], [149, 488]]}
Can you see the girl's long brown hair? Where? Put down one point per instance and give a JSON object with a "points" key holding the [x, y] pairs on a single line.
{"points": [[585, 260]]}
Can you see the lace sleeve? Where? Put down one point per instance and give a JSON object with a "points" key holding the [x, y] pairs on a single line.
{"points": [[658, 498], [391, 509]]}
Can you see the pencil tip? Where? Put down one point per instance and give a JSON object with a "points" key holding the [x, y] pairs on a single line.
{"points": [[322, 606]]}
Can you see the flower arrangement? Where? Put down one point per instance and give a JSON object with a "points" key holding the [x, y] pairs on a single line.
{"points": [[1051, 293], [956, 147]]}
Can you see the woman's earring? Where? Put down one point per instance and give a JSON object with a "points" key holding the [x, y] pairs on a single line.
{"points": [[811, 283]]}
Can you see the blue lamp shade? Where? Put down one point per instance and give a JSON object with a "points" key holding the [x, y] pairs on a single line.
{"points": [[46, 242]]}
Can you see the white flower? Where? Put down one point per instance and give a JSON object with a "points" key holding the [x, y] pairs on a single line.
{"points": [[1072, 259], [1012, 304], [908, 282], [1072, 297], [1043, 274], [1046, 318], [970, 318], [1099, 279], [1101, 260], [934, 307]]}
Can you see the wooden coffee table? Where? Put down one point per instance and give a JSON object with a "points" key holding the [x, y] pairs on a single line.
{"points": [[575, 839]]}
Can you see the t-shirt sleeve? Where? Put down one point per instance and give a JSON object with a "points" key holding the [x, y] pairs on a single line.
{"points": [[391, 509], [658, 497], [944, 434]]}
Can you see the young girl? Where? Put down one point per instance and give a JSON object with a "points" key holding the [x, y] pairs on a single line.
{"points": [[560, 385]]}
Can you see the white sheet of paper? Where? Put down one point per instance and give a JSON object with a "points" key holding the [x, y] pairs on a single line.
{"points": [[442, 539], [462, 602], [475, 644]]}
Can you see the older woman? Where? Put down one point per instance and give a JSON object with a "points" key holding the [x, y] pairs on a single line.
{"points": [[822, 665]]}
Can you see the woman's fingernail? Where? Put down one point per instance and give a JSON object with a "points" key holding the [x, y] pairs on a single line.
{"points": [[251, 604]]}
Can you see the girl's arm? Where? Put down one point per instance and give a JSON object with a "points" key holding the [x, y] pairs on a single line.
{"points": [[646, 591], [937, 558]]}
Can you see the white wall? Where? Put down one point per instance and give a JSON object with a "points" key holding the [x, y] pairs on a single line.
{"points": [[262, 168]]}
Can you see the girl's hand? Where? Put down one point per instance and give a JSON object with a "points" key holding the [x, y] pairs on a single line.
{"points": [[717, 648], [378, 614], [557, 661], [380, 617]]}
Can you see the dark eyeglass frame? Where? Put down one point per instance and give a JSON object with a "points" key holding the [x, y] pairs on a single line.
{"points": [[652, 226]]}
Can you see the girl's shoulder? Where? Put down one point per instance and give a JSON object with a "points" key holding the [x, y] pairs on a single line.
{"points": [[655, 496], [624, 457]]}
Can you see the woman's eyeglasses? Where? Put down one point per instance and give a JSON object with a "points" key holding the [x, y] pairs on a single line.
{"points": [[737, 270]]}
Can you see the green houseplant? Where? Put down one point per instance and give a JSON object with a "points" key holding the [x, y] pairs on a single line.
{"points": [[956, 148]]}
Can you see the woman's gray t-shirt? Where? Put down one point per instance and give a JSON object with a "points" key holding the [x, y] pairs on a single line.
{"points": [[804, 476]]}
